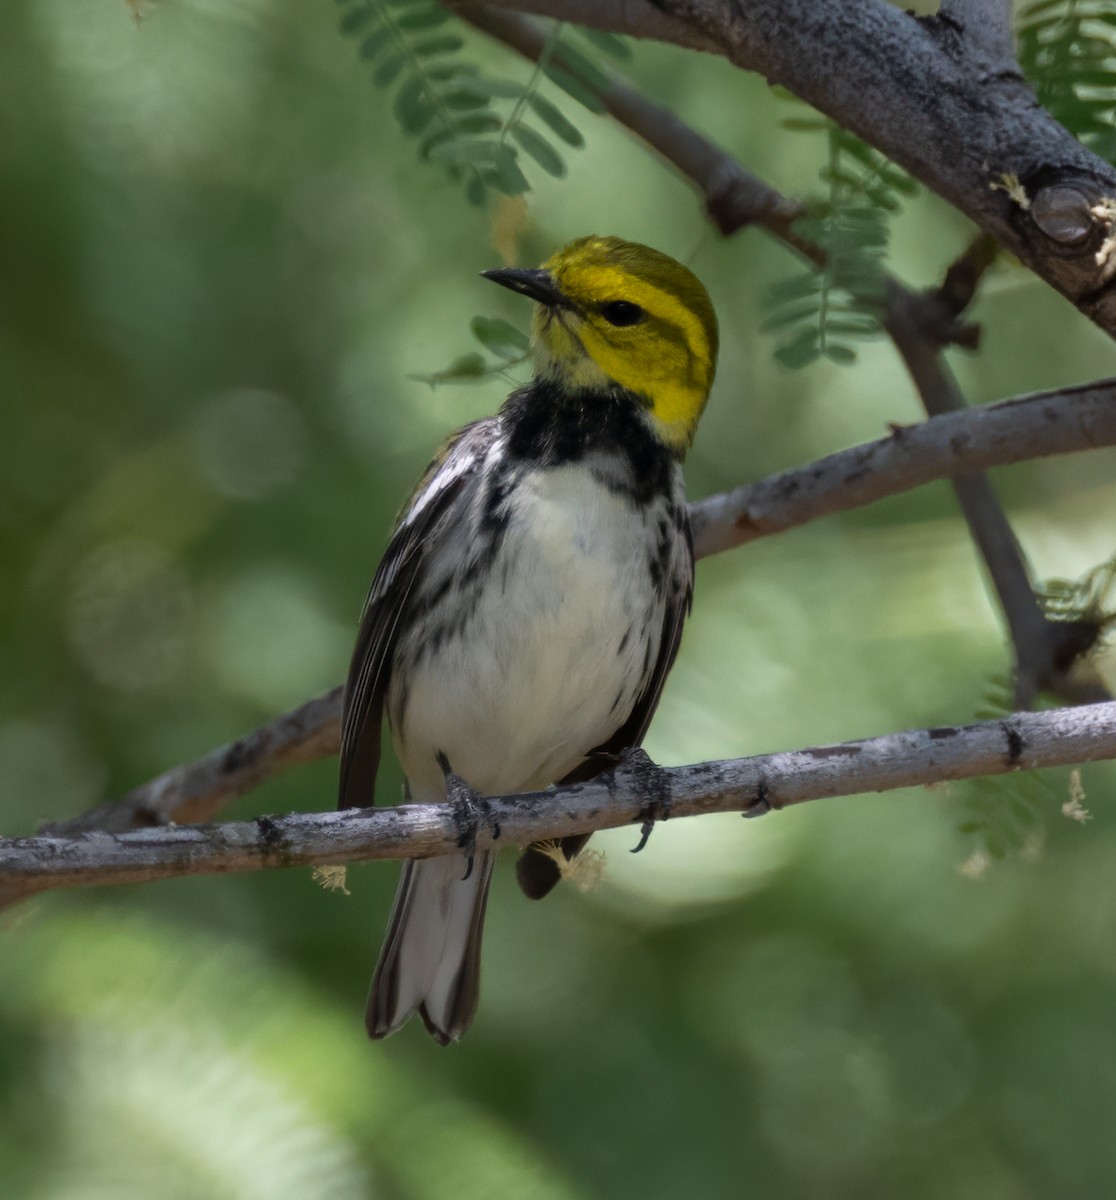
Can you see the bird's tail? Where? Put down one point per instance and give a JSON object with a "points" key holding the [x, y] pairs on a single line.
{"points": [[430, 960]]}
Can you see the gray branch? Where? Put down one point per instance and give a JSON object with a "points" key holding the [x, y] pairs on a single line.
{"points": [[938, 103], [1023, 741], [992, 435], [954, 443], [987, 23]]}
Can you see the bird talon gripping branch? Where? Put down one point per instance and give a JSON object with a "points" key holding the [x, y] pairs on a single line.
{"points": [[651, 781], [530, 603], [471, 812], [761, 805]]}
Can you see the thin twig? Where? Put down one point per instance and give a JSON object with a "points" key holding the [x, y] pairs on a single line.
{"points": [[1023, 741]]}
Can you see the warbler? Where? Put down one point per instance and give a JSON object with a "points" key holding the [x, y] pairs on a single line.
{"points": [[521, 624]]}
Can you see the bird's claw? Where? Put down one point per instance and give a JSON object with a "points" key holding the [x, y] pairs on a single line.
{"points": [[651, 781], [761, 805], [470, 811]]}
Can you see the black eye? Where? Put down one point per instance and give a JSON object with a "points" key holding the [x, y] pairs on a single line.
{"points": [[622, 312]]}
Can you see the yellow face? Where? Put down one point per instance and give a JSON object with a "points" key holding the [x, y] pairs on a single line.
{"points": [[625, 313]]}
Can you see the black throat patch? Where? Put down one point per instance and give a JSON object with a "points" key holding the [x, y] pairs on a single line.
{"points": [[548, 426]]}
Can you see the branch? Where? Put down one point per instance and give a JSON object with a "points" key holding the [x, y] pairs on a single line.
{"points": [[969, 440], [987, 23], [992, 435], [1023, 741], [927, 97]]}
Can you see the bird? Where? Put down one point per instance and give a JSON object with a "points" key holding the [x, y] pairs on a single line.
{"points": [[522, 621]]}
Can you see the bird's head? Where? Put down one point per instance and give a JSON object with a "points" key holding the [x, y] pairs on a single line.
{"points": [[614, 312]]}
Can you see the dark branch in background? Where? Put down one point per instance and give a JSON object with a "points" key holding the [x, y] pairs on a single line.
{"points": [[1022, 741], [920, 91], [921, 324], [992, 435]]}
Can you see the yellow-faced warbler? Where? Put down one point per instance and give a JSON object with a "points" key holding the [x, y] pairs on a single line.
{"points": [[522, 622]]}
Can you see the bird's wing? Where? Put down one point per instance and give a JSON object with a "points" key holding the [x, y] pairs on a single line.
{"points": [[386, 608], [632, 732]]}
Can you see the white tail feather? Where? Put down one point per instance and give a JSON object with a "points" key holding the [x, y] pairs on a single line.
{"points": [[430, 959]]}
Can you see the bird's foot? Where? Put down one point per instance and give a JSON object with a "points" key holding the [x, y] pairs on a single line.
{"points": [[650, 780], [471, 812]]}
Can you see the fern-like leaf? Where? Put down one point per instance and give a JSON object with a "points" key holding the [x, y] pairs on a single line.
{"points": [[1003, 814], [824, 311], [1006, 813], [474, 127], [1067, 49]]}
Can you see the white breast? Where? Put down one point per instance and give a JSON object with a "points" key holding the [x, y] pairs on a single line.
{"points": [[560, 643]]}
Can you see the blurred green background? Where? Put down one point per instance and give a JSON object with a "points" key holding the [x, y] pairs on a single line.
{"points": [[220, 265]]}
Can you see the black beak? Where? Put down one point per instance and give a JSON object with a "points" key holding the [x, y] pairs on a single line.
{"points": [[534, 283]]}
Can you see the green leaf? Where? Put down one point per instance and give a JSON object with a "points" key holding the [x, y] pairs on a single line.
{"points": [[442, 72], [1096, 79], [442, 43], [838, 353], [467, 366], [500, 89], [505, 175], [494, 161], [879, 166], [534, 144], [583, 67], [862, 328], [356, 19], [462, 127], [607, 43], [388, 70], [475, 191], [800, 351], [795, 288], [423, 18], [412, 107], [790, 316], [471, 152], [459, 99], [555, 120], [1041, 6], [572, 86], [500, 337], [376, 41]]}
